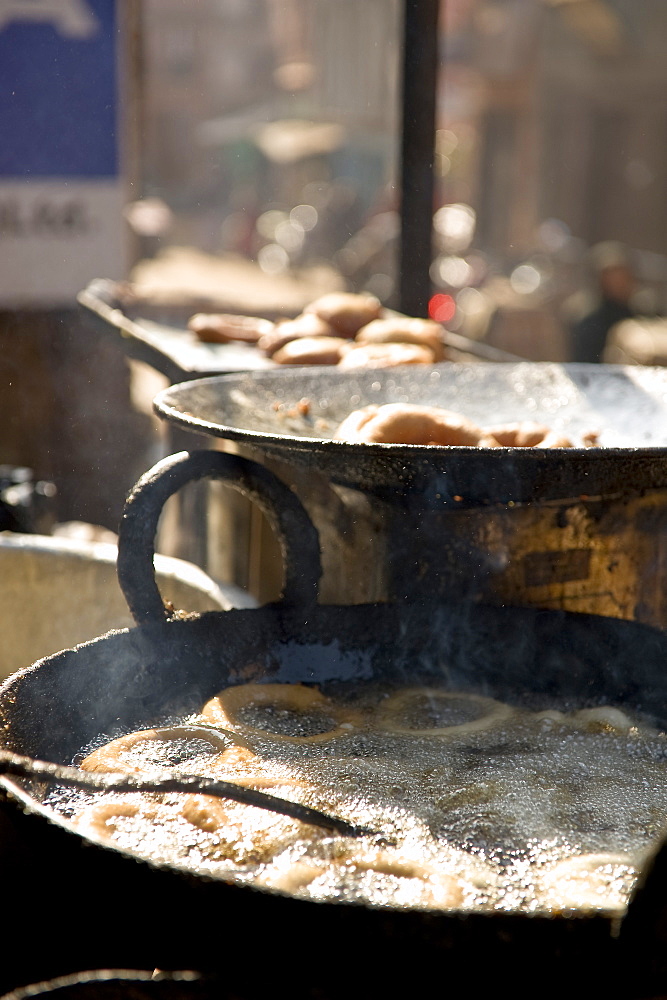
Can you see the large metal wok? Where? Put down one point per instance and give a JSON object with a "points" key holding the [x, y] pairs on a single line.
{"points": [[581, 529], [628, 406], [84, 905]]}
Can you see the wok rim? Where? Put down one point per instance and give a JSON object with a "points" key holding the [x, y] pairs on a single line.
{"points": [[190, 421]]}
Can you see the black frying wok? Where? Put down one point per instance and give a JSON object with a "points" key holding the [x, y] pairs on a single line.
{"points": [[626, 405], [114, 910]]}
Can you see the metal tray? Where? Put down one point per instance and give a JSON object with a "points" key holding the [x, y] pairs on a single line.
{"points": [[158, 335]]}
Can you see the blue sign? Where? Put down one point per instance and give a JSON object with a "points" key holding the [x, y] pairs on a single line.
{"points": [[58, 89]]}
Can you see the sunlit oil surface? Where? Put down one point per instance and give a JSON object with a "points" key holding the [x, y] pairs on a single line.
{"points": [[474, 805]]}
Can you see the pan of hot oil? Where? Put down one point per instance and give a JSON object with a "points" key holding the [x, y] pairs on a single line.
{"points": [[483, 779], [471, 803]]}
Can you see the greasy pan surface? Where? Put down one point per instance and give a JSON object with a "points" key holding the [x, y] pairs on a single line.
{"points": [[136, 678], [130, 679], [626, 405]]}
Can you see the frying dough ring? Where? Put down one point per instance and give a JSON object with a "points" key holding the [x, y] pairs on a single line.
{"points": [[232, 763], [223, 710], [441, 889], [94, 821], [604, 718], [105, 758], [583, 882], [389, 712], [204, 812], [236, 765]]}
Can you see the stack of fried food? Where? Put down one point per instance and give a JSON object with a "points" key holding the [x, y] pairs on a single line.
{"points": [[342, 328]]}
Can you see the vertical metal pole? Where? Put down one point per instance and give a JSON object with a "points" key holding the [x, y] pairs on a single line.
{"points": [[419, 82], [133, 102]]}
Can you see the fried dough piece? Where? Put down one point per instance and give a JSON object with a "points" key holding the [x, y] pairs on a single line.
{"points": [[427, 882], [117, 755], [405, 423], [242, 833], [441, 890], [603, 718], [223, 328], [311, 351], [346, 312], [590, 439], [243, 767], [102, 819], [461, 712], [204, 811], [306, 325], [588, 882], [527, 434], [236, 763], [385, 356], [292, 876], [307, 706], [223, 829], [403, 330]]}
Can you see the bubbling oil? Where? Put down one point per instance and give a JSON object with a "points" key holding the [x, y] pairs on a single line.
{"points": [[474, 804]]}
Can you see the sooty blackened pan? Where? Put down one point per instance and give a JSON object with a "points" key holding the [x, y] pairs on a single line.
{"points": [[626, 405], [76, 900]]}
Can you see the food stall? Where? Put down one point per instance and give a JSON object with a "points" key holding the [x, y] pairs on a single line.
{"points": [[441, 736]]}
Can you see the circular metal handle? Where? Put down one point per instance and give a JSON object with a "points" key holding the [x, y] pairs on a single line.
{"points": [[296, 534]]}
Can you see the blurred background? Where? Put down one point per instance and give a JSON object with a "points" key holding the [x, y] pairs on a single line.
{"points": [[248, 150]]}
